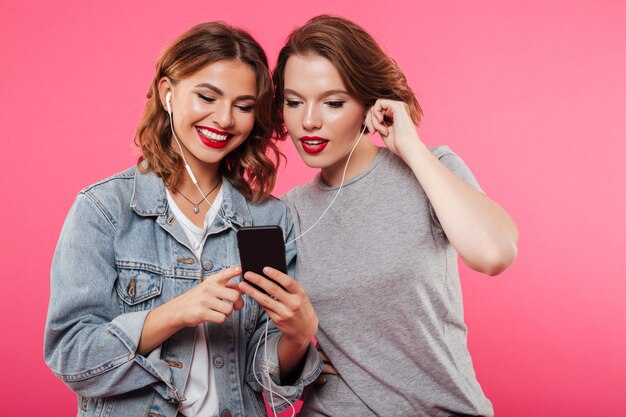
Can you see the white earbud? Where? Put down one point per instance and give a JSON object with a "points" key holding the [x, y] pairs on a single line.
{"points": [[168, 99]]}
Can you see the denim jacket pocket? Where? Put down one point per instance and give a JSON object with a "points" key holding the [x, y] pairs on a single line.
{"points": [[137, 288]]}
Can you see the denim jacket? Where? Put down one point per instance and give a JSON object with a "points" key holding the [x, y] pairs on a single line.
{"points": [[120, 254]]}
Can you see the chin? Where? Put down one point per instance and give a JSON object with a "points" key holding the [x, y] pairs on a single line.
{"points": [[313, 162]]}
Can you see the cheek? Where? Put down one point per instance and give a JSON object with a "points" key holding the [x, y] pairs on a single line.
{"points": [[245, 123], [191, 116], [344, 126], [193, 110]]}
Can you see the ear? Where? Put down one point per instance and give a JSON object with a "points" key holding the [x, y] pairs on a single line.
{"points": [[165, 86]]}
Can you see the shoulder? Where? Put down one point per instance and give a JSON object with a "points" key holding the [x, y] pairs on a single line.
{"points": [[298, 194], [268, 204], [392, 161], [113, 183], [392, 168], [271, 210], [111, 196]]}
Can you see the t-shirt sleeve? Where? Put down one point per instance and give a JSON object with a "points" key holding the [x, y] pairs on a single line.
{"points": [[458, 167], [455, 164]]}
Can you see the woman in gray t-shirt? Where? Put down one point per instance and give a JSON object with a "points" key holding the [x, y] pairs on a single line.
{"points": [[380, 265]]}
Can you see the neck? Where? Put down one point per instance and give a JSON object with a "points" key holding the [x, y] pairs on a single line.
{"points": [[206, 175], [362, 157]]}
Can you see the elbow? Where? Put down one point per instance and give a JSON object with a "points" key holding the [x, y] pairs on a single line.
{"points": [[496, 260], [494, 269]]}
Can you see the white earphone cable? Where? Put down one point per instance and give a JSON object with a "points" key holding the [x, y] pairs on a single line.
{"points": [[271, 392], [343, 177], [265, 333], [188, 168]]}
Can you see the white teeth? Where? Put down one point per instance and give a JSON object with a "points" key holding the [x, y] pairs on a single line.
{"points": [[313, 142], [212, 136]]}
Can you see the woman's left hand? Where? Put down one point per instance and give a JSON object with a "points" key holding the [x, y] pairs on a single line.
{"points": [[392, 119], [289, 308]]}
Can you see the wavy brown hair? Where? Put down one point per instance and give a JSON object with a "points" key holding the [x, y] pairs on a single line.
{"points": [[366, 70], [252, 166]]}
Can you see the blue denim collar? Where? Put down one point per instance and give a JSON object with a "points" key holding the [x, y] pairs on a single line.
{"points": [[149, 199]]}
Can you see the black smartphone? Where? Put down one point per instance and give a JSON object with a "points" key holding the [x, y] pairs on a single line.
{"points": [[261, 246]]}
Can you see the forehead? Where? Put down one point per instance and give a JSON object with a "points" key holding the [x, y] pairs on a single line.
{"points": [[312, 73], [232, 77]]}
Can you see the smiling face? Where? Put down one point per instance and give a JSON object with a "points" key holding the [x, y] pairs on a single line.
{"points": [[213, 110], [322, 118]]}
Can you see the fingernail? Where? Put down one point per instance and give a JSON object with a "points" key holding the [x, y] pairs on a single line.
{"points": [[237, 268], [251, 277], [267, 270], [244, 286]]}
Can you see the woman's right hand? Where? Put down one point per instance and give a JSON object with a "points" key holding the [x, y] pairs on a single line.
{"points": [[213, 300]]}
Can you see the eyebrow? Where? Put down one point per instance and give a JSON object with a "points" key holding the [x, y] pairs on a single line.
{"points": [[221, 93], [324, 94]]}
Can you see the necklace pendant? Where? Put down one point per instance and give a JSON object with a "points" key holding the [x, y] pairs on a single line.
{"points": [[196, 210]]}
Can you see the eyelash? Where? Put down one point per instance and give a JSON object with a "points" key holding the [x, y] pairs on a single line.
{"points": [[244, 108], [206, 98], [334, 104]]}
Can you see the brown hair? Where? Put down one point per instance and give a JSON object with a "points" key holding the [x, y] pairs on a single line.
{"points": [[366, 70], [251, 167]]}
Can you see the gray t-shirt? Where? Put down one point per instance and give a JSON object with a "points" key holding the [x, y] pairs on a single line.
{"points": [[383, 279]]}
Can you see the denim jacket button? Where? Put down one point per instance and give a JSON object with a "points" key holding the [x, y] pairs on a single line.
{"points": [[226, 413], [207, 266], [218, 362]]}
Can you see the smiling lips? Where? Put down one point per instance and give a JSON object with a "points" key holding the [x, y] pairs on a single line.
{"points": [[313, 144], [213, 138]]}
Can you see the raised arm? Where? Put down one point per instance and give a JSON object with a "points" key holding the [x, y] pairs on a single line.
{"points": [[480, 230]]}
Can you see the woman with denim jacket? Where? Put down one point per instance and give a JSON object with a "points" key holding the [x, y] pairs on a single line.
{"points": [[380, 265], [147, 313]]}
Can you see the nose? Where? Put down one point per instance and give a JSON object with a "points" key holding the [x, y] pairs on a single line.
{"points": [[223, 115], [311, 119]]}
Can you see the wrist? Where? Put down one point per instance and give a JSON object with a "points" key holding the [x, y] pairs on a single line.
{"points": [[416, 154], [295, 343], [169, 317]]}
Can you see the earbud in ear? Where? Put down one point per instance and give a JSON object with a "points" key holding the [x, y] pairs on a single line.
{"points": [[168, 98]]}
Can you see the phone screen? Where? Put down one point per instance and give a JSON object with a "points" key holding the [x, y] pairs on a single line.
{"points": [[261, 246]]}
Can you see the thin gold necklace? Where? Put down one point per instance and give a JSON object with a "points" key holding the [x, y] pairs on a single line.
{"points": [[196, 209]]}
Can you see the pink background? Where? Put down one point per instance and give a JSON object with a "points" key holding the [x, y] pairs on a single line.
{"points": [[531, 94]]}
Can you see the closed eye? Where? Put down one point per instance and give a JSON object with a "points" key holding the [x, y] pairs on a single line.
{"points": [[206, 98], [335, 104], [292, 103], [245, 108]]}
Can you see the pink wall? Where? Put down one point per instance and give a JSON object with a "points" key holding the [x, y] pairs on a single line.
{"points": [[532, 94]]}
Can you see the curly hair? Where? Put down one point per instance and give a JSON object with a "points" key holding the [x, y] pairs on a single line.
{"points": [[252, 166], [366, 70]]}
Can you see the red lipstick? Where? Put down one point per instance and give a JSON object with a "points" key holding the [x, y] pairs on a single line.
{"points": [[313, 144], [213, 138]]}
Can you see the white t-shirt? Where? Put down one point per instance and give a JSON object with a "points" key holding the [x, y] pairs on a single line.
{"points": [[200, 392]]}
